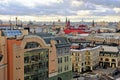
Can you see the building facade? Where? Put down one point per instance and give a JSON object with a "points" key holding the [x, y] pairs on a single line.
{"points": [[109, 57], [3, 59], [85, 59], [18, 50], [105, 37], [52, 62], [64, 59], [62, 49], [32, 57]]}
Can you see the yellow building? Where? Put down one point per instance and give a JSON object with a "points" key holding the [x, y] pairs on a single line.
{"points": [[85, 59], [109, 57]]}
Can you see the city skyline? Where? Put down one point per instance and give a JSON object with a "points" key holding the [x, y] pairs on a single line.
{"points": [[52, 10]]}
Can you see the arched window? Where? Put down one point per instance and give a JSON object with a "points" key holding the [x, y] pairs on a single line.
{"points": [[101, 59], [59, 78], [106, 59], [113, 60], [31, 45]]}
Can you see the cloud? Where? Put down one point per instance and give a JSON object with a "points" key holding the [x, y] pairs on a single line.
{"points": [[76, 3], [107, 3], [83, 12], [117, 10], [62, 8]]}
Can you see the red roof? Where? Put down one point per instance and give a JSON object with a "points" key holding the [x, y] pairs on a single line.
{"points": [[68, 31]]}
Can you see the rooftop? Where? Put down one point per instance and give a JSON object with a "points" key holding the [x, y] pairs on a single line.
{"points": [[36, 50], [87, 48], [11, 33], [110, 48]]}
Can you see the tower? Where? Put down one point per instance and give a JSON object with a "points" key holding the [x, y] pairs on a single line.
{"points": [[68, 24], [93, 24], [16, 21], [66, 20]]}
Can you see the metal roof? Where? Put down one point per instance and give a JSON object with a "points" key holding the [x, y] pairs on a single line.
{"points": [[11, 33]]}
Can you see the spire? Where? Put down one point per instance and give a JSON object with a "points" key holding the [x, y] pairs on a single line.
{"points": [[68, 24], [66, 20]]}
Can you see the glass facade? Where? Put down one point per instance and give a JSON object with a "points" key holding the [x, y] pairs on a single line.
{"points": [[36, 65]]}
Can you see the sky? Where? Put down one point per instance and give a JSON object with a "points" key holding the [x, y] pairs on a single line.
{"points": [[52, 10]]}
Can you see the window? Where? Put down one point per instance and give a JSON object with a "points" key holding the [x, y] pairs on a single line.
{"points": [[65, 68], [31, 45], [58, 60], [35, 57], [113, 60], [106, 59], [58, 41], [34, 77], [82, 64], [1, 56], [26, 59], [27, 78], [61, 60], [65, 59], [78, 54], [27, 69], [88, 63]]}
